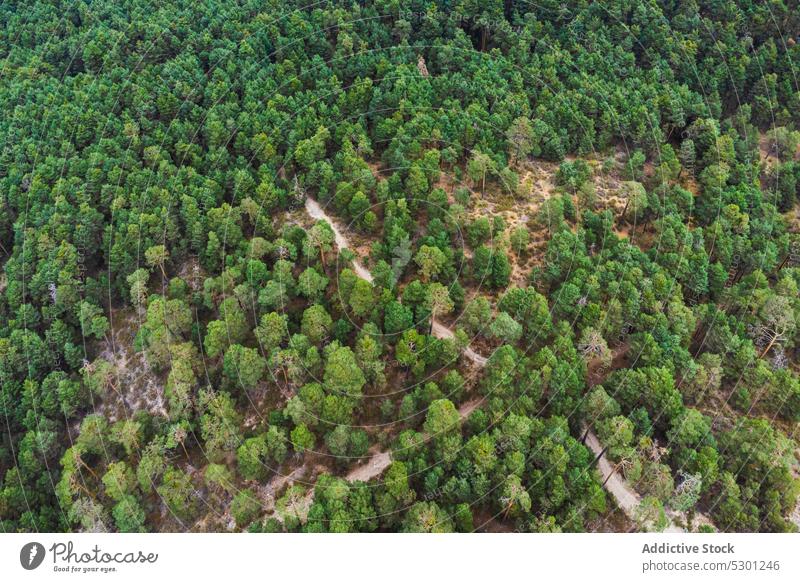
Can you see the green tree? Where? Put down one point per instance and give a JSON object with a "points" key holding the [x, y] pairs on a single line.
{"points": [[505, 328], [479, 165], [362, 298], [119, 480], [438, 300], [520, 239], [397, 318], [342, 374], [93, 322], [220, 423], [245, 507], [311, 284], [271, 331], [316, 324], [129, 515], [430, 261], [177, 491], [442, 425], [302, 438], [244, 366]]}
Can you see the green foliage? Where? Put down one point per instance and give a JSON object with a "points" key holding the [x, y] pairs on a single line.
{"points": [[119, 480], [245, 507], [220, 424], [177, 491], [129, 515], [244, 366], [302, 438], [157, 270], [430, 261]]}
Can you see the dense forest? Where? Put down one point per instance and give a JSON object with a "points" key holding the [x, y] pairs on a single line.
{"points": [[566, 223]]}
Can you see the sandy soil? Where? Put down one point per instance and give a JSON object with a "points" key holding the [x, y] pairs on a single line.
{"points": [[377, 464], [315, 211]]}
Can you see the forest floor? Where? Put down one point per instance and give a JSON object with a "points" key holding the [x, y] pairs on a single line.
{"points": [[134, 384]]}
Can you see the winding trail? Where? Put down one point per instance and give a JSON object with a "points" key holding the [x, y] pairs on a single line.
{"points": [[439, 330], [627, 499], [316, 212], [377, 464], [625, 496], [443, 332]]}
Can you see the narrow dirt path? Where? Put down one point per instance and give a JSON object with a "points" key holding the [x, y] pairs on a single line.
{"points": [[627, 499], [466, 409], [316, 212], [443, 332], [380, 460], [624, 495], [377, 464]]}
